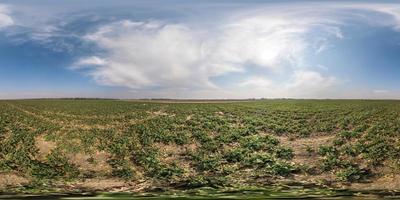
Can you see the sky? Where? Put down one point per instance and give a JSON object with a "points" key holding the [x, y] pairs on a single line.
{"points": [[199, 49]]}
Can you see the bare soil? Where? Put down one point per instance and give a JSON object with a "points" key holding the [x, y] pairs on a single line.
{"points": [[12, 180]]}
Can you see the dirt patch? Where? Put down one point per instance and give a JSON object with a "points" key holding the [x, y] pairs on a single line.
{"points": [[11, 180], [170, 149], [177, 154], [45, 147], [189, 117], [387, 182], [115, 185], [101, 184], [158, 113], [174, 149], [321, 179], [96, 162], [305, 149]]}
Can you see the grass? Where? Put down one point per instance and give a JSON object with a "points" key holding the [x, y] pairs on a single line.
{"points": [[197, 144]]}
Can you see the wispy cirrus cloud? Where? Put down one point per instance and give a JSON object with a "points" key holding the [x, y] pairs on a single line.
{"points": [[5, 18], [89, 62]]}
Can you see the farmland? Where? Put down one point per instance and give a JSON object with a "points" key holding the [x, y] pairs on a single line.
{"points": [[113, 145]]}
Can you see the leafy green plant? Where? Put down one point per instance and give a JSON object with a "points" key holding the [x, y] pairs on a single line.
{"points": [[352, 174]]}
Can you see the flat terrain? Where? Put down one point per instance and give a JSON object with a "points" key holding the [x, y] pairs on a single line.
{"points": [[110, 145]]}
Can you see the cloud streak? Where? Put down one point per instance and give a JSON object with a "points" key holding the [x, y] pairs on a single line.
{"points": [[5, 18]]}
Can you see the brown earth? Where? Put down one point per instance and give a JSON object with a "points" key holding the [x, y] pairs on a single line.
{"points": [[305, 149], [12, 180], [98, 164], [44, 146]]}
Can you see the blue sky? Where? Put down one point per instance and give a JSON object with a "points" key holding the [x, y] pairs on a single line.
{"points": [[199, 49]]}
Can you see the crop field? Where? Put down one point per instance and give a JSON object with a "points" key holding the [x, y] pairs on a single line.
{"points": [[113, 145]]}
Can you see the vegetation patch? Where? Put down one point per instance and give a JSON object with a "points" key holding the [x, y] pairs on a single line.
{"points": [[140, 145]]}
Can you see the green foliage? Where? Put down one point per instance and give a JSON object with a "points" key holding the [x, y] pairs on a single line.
{"points": [[327, 150], [120, 168], [205, 181], [259, 160], [349, 134], [259, 142], [352, 174], [236, 155], [170, 141], [57, 166], [282, 168], [284, 153], [207, 162]]}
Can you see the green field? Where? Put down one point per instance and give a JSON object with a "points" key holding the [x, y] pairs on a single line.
{"points": [[112, 145]]}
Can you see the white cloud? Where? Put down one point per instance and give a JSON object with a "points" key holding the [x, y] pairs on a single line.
{"points": [[310, 82], [256, 82], [89, 61], [380, 91], [142, 55], [260, 40], [180, 59], [5, 18], [301, 84], [392, 10], [151, 55]]}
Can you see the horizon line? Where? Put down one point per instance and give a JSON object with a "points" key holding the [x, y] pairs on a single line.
{"points": [[194, 99]]}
